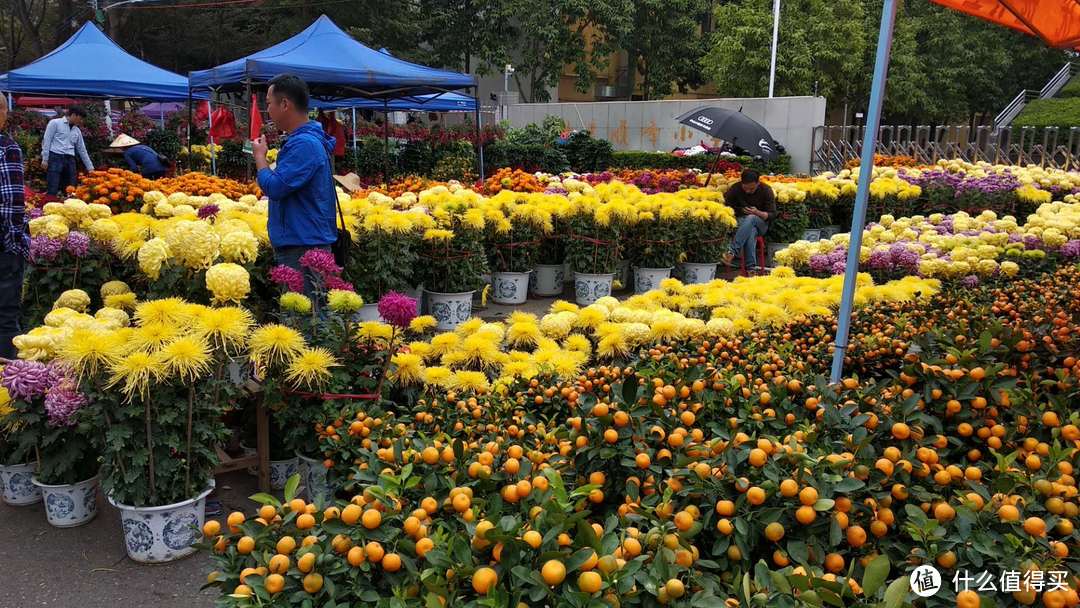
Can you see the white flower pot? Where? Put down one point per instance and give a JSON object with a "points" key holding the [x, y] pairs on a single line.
{"points": [[281, 471], [589, 288], [154, 535], [695, 273], [547, 280], [648, 279], [367, 312], [313, 476], [67, 506], [510, 287], [18, 484], [450, 309]]}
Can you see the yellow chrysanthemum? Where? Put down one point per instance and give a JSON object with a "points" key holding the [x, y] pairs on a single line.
{"points": [[344, 302], [226, 327], [228, 282], [274, 343], [310, 368], [295, 302], [135, 372], [407, 369], [469, 382], [75, 299], [423, 324], [122, 301], [186, 358], [87, 350]]}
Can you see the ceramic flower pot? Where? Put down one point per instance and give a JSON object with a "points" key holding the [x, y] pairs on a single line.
{"points": [[367, 312], [695, 273], [450, 309], [154, 535], [18, 485], [313, 476], [547, 280], [281, 471], [67, 506], [510, 287], [589, 288], [648, 279]]}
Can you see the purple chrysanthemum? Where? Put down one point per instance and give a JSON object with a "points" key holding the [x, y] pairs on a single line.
{"points": [[1071, 249], [334, 282], [43, 249], [77, 243], [208, 210], [62, 402], [819, 263], [839, 267], [321, 261], [34, 212], [970, 281], [397, 309], [27, 379], [289, 278]]}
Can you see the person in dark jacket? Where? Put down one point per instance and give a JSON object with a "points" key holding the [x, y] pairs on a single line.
{"points": [[14, 237], [754, 204], [140, 157], [302, 213]]}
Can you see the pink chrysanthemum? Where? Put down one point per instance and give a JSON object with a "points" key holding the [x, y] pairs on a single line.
{"points": [[333, 282], [288, 277], [397, 309], [62, 402], [321, 261]]}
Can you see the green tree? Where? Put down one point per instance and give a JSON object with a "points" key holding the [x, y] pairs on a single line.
{"points": [[664, 44], [460, 32], [551, 34]]}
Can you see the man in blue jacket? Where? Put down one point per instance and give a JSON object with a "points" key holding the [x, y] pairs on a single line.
{"points": [[303, 200]]}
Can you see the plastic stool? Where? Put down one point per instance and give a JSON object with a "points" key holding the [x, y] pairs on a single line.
{"points": [[760, 245]]}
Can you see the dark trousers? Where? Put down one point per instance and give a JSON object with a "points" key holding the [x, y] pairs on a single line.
{"points": [[155, 175], [60, 174], [12, 266], [290, 256]]}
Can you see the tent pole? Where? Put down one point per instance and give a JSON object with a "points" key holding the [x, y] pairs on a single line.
{"points": [[866, 171], [479, 145], [247, 98], [386, 141], [190, 118], [210, 133]]}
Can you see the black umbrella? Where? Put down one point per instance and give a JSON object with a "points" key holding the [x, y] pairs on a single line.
{"points": [[734, 127]]}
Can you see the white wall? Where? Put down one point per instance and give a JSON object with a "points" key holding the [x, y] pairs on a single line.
{"points": [[651, 125]]}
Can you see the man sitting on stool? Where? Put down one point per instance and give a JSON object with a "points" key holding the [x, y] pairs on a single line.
{"points": [[755, 206]]}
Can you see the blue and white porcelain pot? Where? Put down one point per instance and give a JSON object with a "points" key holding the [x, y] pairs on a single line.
{"points": [[450, 309], [510, 287], [67, 506], [313, 474], [155, 535], [368, 312], [281, 471], [694, 273], [648, 279], [18, 484], [588, 288], [547, 280]]}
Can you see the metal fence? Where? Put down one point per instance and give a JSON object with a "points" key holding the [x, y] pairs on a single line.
{"points": [[833, 146]]}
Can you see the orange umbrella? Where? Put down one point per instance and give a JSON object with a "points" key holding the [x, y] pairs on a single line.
{"points": [[1056, 22]]}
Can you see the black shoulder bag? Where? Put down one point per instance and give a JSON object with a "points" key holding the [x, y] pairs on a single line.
{"points": [[343, 245]]}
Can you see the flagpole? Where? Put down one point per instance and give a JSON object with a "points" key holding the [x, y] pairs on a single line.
{"points": [[775, 36]]}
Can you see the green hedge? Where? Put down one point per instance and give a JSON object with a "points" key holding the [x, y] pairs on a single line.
{"points": [[664, 160], [1071, 88], [1062, 113]]}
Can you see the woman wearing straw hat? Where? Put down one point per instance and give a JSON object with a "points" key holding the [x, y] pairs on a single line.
{"points": [[140, 157]]}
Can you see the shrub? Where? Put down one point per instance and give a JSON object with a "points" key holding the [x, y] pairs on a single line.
{"points": [[586, 153]]}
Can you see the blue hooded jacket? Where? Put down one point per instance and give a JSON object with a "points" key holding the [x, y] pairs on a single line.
{"points": [[303, 201]]}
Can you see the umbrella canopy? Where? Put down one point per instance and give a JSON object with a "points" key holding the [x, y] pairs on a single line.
{"points": [[90, 64], [733, 127], [1057, 22], [334, 65]]}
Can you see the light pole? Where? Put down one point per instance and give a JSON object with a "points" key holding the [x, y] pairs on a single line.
{"points": [[775, 35]]}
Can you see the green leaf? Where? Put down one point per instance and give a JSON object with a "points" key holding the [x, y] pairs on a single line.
{"points": [[265, 499], [876, 573], [780, 583], [897, 592], [290, 487]]}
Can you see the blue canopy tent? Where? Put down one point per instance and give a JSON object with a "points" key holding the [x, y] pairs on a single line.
{"points": [[335, 67], [443, 102], [89, 64]]}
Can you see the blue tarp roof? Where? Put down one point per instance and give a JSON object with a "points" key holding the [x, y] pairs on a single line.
{"points": [[445, 102], [90, 64], [334, 66]]}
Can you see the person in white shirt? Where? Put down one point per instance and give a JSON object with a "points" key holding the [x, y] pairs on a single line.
{"points": [[62, 141]]}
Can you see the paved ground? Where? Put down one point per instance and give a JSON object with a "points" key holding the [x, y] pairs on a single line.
{"points": [[86, 567]]}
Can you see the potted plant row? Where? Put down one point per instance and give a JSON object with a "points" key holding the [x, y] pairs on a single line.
{"points": [[593, 248], [452, 263]]}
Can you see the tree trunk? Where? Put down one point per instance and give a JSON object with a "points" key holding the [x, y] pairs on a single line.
{"points": [[32, 30]]}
